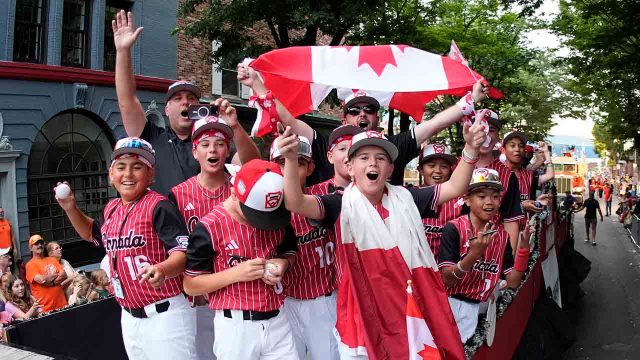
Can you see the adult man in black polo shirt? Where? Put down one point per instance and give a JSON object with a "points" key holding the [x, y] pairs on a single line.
{"points": [[173, 145], [360, 109]]}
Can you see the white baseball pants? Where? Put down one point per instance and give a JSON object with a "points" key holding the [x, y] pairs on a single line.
{"points": [[253, 339], [165, 336], [312, 322], [466, 315]]}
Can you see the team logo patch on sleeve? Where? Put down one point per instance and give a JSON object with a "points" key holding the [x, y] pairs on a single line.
{"points": [[182, 241], [272, 199]]}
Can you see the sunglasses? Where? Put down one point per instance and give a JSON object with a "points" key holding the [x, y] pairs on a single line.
{"points": [[355, 110]]}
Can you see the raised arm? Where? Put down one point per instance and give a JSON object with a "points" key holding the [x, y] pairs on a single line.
{"points": [[457, 185], [549, 173], [249, 77], [124, 36], [449, 116], [81, 222], [294, 199], [247, 149]]}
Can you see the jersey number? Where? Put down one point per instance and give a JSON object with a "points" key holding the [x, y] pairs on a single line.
{"points": [[326, 254], [139, 261]]}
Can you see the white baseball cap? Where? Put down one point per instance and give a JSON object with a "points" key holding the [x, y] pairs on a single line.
{"points": [[218, 128], [484, 177], [373, 138], [304, 149], [437, 151], [259, 186], [135, 146]]}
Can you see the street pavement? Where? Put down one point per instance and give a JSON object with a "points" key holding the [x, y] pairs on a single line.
{"points": [[608, 316]]}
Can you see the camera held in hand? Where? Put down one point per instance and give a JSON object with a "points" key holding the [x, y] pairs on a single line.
{"points": [[200, 111]]}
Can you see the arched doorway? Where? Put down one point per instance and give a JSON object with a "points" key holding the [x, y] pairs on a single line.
{"points": [[73, 146]]}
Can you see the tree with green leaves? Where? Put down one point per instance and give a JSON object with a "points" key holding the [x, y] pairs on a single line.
{"points": [[604, 41]]}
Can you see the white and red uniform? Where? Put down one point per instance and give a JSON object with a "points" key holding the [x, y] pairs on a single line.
{"points": [[510, 209], [247, 313], [195, 201], [478, 284], [528, 183], [350, 326], [156, 323], [433, 225], [311, 303]]}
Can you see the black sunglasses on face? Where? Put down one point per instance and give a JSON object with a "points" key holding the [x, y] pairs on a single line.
{"points": [[355, 110]]}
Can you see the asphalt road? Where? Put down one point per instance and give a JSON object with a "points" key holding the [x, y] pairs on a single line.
{"points": [[608, 317]]}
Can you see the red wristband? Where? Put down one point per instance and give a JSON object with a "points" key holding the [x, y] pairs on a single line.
{"points": [[522, 260]]}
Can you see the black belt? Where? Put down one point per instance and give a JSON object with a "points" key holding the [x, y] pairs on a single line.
{"points": [[253, 315], [141, 314], [328, 294]]}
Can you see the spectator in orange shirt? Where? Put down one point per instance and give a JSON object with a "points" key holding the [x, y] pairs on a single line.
{"points": [[45, 274], [7, 240]]}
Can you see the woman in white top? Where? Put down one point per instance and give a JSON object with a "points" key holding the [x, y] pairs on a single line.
{"points": [[55, 251]]}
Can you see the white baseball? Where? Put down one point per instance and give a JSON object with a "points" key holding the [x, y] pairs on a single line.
{"points": [[269, 269], [63, 191]]}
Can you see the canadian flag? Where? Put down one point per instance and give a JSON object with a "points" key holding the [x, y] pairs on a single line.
{"points": [[421, 345], [376, 261], [405, 78]]}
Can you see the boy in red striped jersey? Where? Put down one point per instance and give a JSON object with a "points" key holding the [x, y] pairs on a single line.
{"points": [[435, 165], [514, 144], [145, 239], [473, 258], [237, 254], [310, 302], [198, 195], [370, 164]]}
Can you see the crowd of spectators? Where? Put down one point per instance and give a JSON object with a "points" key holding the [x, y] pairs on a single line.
{"points": [[50, 283]]}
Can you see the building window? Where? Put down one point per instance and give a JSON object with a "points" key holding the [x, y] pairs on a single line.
{"points": [[72, 147], [29, 31], [230, 83], [75, 33], [112, 7]]}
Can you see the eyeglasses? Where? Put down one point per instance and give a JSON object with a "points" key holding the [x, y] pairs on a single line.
{"points": [[355, 110]]}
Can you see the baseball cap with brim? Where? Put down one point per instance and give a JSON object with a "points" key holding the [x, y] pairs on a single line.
{"points": [[344, 132], [183, 86], [360, 97], [259, 186], [304, 149], [136, 146], [211, 123], [437, 151], [373, 138], [484, 178], [4, 251], [34, 239], [515, 134]]}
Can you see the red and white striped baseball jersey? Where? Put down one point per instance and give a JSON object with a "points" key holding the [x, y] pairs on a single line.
{"points": [[218, 242], [526, 179], [433, 225], [313, 273], [138, 234], [497, 260], [195, 201]]}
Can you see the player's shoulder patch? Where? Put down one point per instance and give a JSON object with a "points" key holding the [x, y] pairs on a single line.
{"points": [[183, 241]]}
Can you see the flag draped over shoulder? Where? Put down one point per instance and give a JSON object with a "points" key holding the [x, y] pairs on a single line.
{"points": [[378, 260], [403, 77]]}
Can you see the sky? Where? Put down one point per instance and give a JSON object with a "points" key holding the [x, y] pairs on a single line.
{"points": [[544, 39]]}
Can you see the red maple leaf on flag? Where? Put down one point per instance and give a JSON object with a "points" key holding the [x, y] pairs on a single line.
{"points": [[378, 57], [429, 353]]}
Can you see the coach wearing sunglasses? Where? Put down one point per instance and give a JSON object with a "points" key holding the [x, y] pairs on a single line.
{"points": [[361, 109]]}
